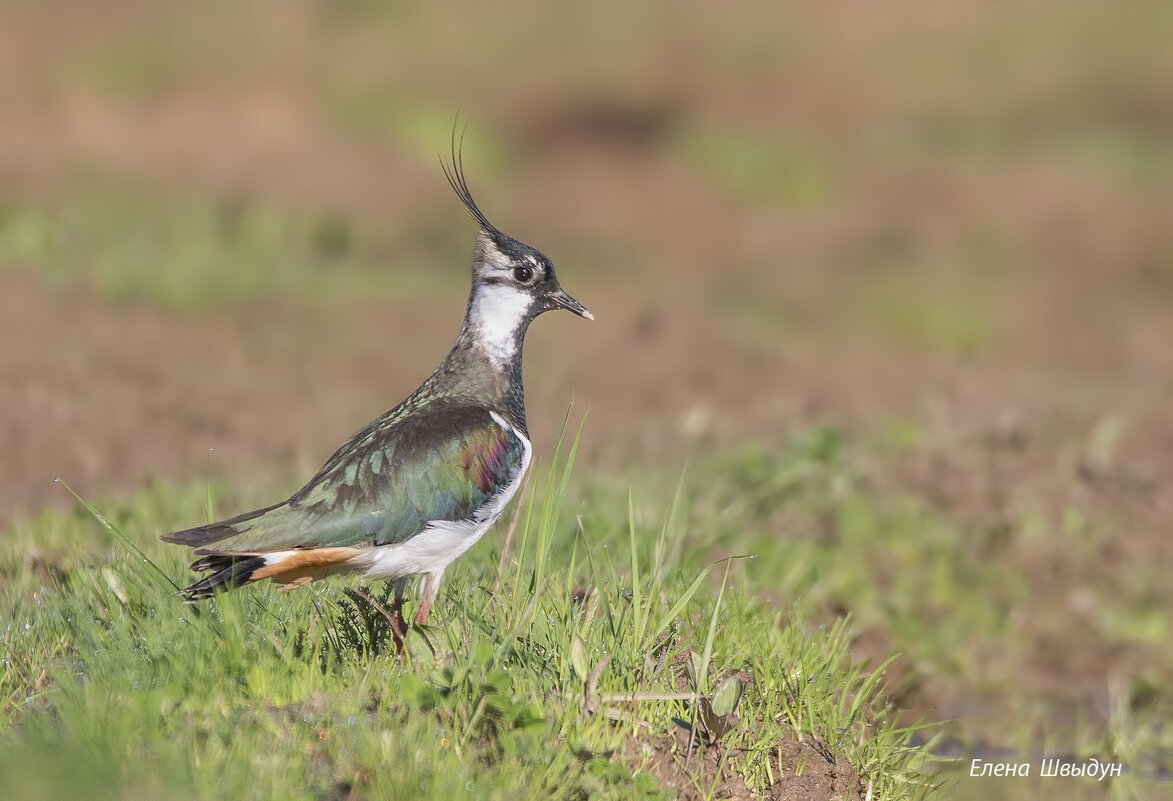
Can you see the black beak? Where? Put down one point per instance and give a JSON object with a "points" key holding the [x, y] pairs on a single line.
{"points": [[558, 299]]}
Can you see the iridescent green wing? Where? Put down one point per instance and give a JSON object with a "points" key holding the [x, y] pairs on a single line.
{"points": [[384, 486]]}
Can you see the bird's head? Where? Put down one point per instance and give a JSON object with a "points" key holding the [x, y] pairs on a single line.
{"points": [[512, 283], [518, 276]]}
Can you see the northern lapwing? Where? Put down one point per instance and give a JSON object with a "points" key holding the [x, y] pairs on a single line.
{"points": [[417, 487]]}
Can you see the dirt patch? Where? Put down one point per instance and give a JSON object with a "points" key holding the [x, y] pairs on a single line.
{"points": [[802, 771]]}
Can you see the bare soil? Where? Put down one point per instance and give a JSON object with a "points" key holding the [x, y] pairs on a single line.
{"points": [[803, 770]]}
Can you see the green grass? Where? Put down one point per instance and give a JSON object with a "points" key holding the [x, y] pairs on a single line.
{"points": [[191, 251], [112, 684], [963, 602], [109, 680]]}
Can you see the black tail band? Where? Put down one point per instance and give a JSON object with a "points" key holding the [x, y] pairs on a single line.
{"points": [[227, 573]]}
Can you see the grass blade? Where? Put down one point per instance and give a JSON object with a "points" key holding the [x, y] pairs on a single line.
{"points": [[126, 542]]}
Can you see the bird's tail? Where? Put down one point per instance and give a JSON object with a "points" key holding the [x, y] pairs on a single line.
{"points": [[255, 546], [291, 568], [228, 569], [201, 536], [227, 572]]}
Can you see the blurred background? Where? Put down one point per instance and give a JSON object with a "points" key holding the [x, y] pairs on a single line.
{"points": [[939, 230]]}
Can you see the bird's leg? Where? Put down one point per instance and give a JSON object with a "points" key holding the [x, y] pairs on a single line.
{"points": [[398, 624], [429, 587]]}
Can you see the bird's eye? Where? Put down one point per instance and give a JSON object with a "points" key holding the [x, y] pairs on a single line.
{"points": [[522, 274]]}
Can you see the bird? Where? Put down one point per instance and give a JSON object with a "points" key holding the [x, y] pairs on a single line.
{"points": [[417, 487]]}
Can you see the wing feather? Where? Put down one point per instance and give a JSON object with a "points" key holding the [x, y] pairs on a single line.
{"points": [[384, 486]]}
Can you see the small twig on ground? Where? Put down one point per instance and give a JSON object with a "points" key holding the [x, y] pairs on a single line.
{"points": [[692, 739], [592, 683], [593, 698], [619, 698]]}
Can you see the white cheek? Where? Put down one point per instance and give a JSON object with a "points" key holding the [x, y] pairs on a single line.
{"points": [[497, 312]]}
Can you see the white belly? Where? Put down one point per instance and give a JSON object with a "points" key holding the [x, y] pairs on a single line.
{"points": [[433, 549]]}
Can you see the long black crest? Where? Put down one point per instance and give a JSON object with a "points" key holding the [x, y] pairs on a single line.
{"points": [[454, 172]]}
